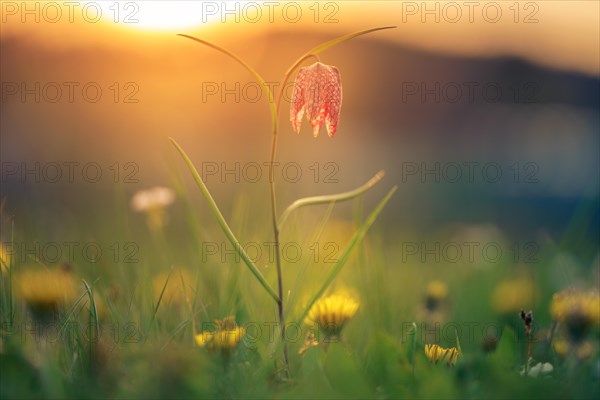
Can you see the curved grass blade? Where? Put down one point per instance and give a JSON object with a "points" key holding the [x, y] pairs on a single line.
{"points": [[331, 198], [457, 341], [93, 311], [69, 314], [159, 301], [356, 239], [412, 344], [322, 47], [224, 226]]}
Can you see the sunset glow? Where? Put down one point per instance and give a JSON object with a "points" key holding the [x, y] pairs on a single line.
{"points": [[299, 199], [159, 15]]}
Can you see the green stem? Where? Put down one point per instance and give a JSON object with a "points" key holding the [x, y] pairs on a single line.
{"points": [[277, 250], [276, 225], [275, 125], [275, 108]]}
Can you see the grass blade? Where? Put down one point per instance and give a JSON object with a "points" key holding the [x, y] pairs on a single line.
{"points": [[412, 345], [221, 220], [356, 239], [327, 45], [331, 198], [158, 302], [93, 311]]}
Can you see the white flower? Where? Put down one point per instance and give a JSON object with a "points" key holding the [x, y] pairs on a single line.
{"points": [[151, 199], [540, 369], [152, 202]]}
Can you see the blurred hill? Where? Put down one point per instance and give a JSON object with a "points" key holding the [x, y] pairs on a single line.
{"points": [[402, 109]]}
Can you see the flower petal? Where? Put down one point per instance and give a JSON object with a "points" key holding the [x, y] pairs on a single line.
{"points": [[318, 93]]}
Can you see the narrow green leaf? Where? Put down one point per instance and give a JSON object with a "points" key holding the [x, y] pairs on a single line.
{"points": [[221, 220], [157, 306], [322, 47], [412, 344], [93, 311], [331, 198], [70, 314], [356, 239]]}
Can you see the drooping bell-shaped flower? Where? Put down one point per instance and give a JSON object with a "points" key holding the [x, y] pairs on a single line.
{"points": [[318, 93]]}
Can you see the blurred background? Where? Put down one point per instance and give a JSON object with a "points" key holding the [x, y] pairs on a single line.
{"points": [[486, 116]]}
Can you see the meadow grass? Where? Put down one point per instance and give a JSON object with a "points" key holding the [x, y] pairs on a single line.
{"points": [[146, 315]]}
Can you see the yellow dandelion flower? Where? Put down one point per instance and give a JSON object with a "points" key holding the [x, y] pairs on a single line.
{"points": [[436, 353], [202, 339], [435, 305], [437, 290], [576, 307], [513, 295], [436, 295], [582, 350], [561, 347], [45, 289], [330, 314], [226, 338]]}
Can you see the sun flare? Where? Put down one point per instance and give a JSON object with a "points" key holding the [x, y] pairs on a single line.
{"points": [[162, 15]]}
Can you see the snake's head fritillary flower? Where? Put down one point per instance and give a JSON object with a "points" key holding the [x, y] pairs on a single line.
{"points": [[318, 93]]}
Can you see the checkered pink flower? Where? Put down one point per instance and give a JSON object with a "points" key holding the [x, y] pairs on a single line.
{"points": [[318, 92]]}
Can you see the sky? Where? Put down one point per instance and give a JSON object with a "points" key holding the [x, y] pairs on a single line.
{"points": [[501, 84], [558, 34]]}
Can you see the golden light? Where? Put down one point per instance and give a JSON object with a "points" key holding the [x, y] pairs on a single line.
{"points": [[166, 15]]}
